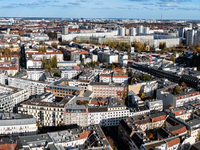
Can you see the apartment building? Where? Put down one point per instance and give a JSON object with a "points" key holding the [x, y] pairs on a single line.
{"points": [[33, 87], [47, 109], [39, 55], [177, 100], [61, 88], [105, 90], [86, 111], [69, 73], [17, 124], [136, 132], [10, 97], [90, 137]]}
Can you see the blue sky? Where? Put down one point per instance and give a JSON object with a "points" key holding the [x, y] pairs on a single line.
{"points": [[141, 9]]}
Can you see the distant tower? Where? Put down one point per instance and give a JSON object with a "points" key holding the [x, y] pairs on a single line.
{"points": [[64, 30], [121, 31], [132, 31], [161, 20], [23, 57], [139, 29]]}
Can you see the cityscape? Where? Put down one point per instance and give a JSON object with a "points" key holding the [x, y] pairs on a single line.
{"points": [[100, 75]]}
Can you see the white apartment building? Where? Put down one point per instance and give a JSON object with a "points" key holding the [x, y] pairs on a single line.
{"points": [[105, 116], [10, 97], [79, 83], [33, 63], [106, 78], [17, 124], [120, 78], [44, 110], [69, 74], [33, 87], [39, 55], [36, 75], [112, 58], [194, 128], [155, 104]]}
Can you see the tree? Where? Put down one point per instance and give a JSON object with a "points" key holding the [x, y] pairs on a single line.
{"points": [[177, 90], [75, 40], [146, 77], [54, 45], [44, 62], [112, 66], [173, 59], [183, 84], [41, 42], [142, 96]]}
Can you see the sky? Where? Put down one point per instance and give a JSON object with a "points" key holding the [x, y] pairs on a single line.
{"points": [[139, 9]]}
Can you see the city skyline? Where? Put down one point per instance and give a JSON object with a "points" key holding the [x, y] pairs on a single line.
{"points": [[141, 9]]}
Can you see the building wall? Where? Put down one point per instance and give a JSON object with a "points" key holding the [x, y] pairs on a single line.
{"points": [[47, 116]]}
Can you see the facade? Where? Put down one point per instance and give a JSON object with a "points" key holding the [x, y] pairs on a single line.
{"points": [[17, 124], [90, 137], [189, 37], [194, 128], [39, 55], [169, 99], [120, 79], [33, 87], [33, 64], [132, 32], [45, 109], [10, 97], [155, 104], [108, 114], [70, 73], [61, 89], [121, 32], [105, 90]]}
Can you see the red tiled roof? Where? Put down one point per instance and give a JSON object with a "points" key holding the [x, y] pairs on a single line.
{"points": [[83, 135], [37, 53], [105, 75], [173, 142], [179, 131], [159, 118]]}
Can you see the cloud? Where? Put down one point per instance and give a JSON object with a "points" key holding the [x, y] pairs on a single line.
{"points": [[175, 1], [138, 0]]}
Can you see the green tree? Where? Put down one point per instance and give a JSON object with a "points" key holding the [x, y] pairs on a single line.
{"points": [[142, 96], [173, 59], [177, 90], [54, 45], [44, 62], [146, 77], [41, 42]]}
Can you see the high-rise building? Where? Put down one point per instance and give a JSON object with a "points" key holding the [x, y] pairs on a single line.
{"points": [[121, 31], [139, 29], [197, 38], [189, 25], [132, 31], [146, 30], [64, 30], [190, 37], [181, 32]]}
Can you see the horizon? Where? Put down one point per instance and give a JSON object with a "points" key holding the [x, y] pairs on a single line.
{"points": [[146, 9]]}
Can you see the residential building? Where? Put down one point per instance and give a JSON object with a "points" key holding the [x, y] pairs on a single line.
{"points": [[17, 124], [90, 137], [105, 90], [10, 97], [61, 89], [33, 87], [176, 100], [46, 108]]}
